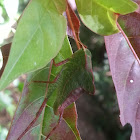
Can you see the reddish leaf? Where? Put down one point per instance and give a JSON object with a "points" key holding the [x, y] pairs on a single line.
{"points": [[5, 53], [126, 76], [73, 25], [73, 21], [131, 27], [63, 131]]}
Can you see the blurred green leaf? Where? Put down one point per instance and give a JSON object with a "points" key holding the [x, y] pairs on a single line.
{"points": [[3, 14], [3, 133], [6, 103], [20, 86]]}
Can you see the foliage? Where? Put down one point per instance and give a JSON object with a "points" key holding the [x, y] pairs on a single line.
{"points": [[126, 71], [100, 17], [46, 109]]}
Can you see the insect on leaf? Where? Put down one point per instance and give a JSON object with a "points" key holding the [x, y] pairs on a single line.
{"points": [[76, 78], [76, 73], [31, 100]]}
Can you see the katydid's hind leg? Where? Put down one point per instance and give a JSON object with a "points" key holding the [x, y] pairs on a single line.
{"points": [[60, 63], [56, 78], [59, 121], [49, 82]]}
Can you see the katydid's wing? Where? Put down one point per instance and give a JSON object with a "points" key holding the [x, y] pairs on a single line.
{"points": [[76, 78]]}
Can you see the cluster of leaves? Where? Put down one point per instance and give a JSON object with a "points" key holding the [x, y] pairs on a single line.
{"points": [[46, 109]]}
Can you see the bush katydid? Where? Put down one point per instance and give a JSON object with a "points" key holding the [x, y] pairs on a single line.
{"points": [[75, 78]]}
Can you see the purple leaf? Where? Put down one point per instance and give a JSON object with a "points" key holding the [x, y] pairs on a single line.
{"points": [[126, 76]]}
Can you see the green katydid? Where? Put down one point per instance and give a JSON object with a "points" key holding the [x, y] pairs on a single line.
{"points": [[75, 78]]}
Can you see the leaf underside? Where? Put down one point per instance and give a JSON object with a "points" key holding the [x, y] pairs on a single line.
{"points": [[127, 70], [126, 74]]}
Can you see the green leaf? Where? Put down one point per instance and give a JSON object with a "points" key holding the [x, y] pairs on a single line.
{"points": [[31, 100], [99, 15], [38, 38]]}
